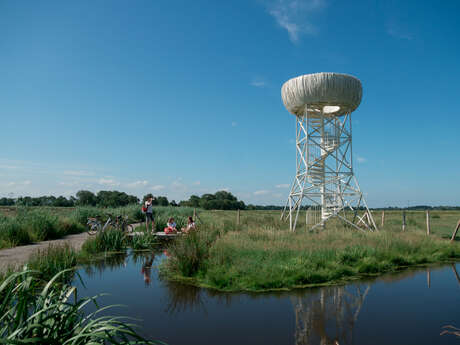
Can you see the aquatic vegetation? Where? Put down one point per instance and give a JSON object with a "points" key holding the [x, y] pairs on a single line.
{"points": [[49, 312], [111, 240], [52, 260]]}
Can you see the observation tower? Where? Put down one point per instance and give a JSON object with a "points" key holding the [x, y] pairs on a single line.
{"points": [[322, 104]]}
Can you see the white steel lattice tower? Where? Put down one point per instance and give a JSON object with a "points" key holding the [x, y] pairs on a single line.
{"points": [[322, 104]]}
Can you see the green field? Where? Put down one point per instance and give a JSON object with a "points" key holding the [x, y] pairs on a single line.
{"points": [[262, 254], [257, 254]]}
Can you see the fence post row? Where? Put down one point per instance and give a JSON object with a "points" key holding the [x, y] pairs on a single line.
{"points": [[404, 220], [428, 225]]}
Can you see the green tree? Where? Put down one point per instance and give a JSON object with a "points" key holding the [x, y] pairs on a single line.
{"points": [[86, 198]]}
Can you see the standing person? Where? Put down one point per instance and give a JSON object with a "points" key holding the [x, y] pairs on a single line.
{"points": [[149, 213]]}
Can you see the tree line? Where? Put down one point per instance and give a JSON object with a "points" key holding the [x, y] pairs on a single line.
{"points": [[82, 198], [221, 200]]}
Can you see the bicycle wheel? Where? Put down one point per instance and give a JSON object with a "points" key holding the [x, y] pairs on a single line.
{"points": [[92, 229]]}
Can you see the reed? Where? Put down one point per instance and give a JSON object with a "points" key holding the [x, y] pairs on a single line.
{"points": [[49, 312]]}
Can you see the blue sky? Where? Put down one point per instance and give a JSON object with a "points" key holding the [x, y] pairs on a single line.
{"points": [[183, 97]]}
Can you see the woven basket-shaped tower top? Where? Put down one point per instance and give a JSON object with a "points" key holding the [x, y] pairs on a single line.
{"points": [[334, 94]]}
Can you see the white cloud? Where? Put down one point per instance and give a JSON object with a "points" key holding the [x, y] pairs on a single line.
{"points": [[283, 185], [108, 182], [8, 167], [261, 192], [234, 124], [294, 16], [78, 173], [257, 82], [158, 187], [196, 183], [361, 159], [136, 184], [395, 30], [20, 183], [69, 184]]}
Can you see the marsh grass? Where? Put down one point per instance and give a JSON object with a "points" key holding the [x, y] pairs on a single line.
{"points": [[49, 312], [261, 254], [111, 240], [28, 225], [52, 260]]}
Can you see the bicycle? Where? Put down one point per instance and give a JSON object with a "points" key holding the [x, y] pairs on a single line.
{"points": [[94, 224]]}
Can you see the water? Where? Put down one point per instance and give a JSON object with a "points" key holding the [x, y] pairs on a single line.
{"points": [[405, 308]]}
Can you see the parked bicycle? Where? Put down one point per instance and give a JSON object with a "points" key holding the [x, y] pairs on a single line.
{"points": [[94, 224]]}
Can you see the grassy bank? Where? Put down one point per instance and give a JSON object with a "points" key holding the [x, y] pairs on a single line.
{"points": [[261, 254]]}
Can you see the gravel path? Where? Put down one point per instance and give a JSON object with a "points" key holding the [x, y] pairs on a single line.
{"points": [[18, 256]]}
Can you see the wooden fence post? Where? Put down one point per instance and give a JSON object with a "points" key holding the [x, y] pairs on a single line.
{"points": [[455, 231], [238, 217], [194, 213], [428, 225], [404, 220], [383, 218]]}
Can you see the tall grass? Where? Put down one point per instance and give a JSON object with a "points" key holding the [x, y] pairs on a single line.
{"points": [[38, 312], [261, 254], [52, 260], [105, 241], [29, 225]]}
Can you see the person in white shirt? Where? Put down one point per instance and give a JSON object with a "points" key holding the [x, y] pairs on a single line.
{"points": [[190, 225]]}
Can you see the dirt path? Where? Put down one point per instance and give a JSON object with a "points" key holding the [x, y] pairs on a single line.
{"points": [[18, 256]]}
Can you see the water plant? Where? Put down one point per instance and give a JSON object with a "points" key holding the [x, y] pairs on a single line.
{"points": [[49, 312], [111, 240], [52, 260]]}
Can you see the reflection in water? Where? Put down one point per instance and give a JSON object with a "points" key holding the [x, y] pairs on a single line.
{"points": [[146, 269], [184, 298], [111, 261], [456, 273], [337, 315], [327, 317]]}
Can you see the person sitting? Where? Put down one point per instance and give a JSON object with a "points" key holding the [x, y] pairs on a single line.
{"points": [[190, 225], [170, 226]]}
